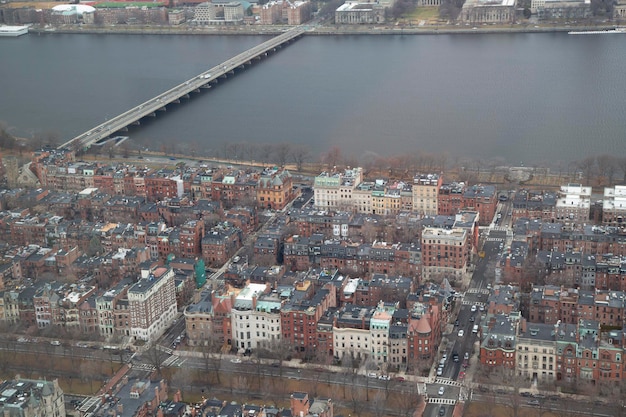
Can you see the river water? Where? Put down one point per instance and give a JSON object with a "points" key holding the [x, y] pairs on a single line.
{"points": [[517, 98]]}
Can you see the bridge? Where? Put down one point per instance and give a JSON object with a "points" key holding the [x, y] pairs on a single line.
{"points": [[150, 108]]}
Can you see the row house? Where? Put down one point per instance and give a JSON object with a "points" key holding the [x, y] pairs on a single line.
{"points": [[274, 189], [309, 222], [351, 333], [220, 244], [122, 208], [425, 193], [614, 206], [513, 262], [255, 318], [199, 320], [483, 199], [537, 357], [450, 198], [573, 205], [243, 218], [534, 205], [300, 314], [268, 247], [423, 333], [163, 184], [113, 312], [598, 240], [29, 231], [333, 191], [382, 287], [191, 234], [498, 341], [234, 187], [551, 304], [504, 300]]}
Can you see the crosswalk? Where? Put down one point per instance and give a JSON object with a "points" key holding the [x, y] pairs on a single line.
{"points": [[144, 367], [165, 349], [88, 403], [174, 360], [447, 381], [444, 401], [478, 291], [470, 303]]}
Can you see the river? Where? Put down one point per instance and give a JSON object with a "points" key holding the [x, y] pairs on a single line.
{"points": [[530, 98]]}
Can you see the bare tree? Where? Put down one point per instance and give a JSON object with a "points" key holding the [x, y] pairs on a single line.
{"points": [[212, 357], [333, 157], [282, 151], [155, 357], [300, 154]]}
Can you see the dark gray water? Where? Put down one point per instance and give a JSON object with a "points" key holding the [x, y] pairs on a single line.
{"points": [[530, 98]]}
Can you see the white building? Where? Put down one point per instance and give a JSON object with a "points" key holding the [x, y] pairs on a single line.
{"points": [[614, 206], [255, 318], [351, 332], [425, 193], [204, 13], [152, 303], [488, 11], [573, 204], [333, 191], [379, 330]]}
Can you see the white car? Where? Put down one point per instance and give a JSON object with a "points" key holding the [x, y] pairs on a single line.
{"points": [[461, 333], [384, 377], [235, 360], [55, 343], [439, 371], [442, 390], [372, 375], [473, 309]]}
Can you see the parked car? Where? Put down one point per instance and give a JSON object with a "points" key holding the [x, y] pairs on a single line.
{"points": [[461, 333], [55, 343], [533, 402], [466, 356], [235, 360], [384, 377], [439, 371], [372, 375]]}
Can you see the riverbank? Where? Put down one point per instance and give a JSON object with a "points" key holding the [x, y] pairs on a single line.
{"points": [[334, 30]]}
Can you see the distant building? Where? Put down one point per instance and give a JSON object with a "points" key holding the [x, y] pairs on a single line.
{"points": [[356, 13], [176, 17], [563, 9], [204, 13], [488, 11]]}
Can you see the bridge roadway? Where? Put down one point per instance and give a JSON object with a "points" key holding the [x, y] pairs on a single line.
{"points": [[173, 95]]}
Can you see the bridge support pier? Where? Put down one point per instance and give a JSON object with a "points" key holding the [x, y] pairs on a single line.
{"points": [[162, 109], [136, 123], [153, 114]]}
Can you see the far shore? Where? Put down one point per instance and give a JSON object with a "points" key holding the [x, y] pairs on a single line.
{"points": [[331, 30]]}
